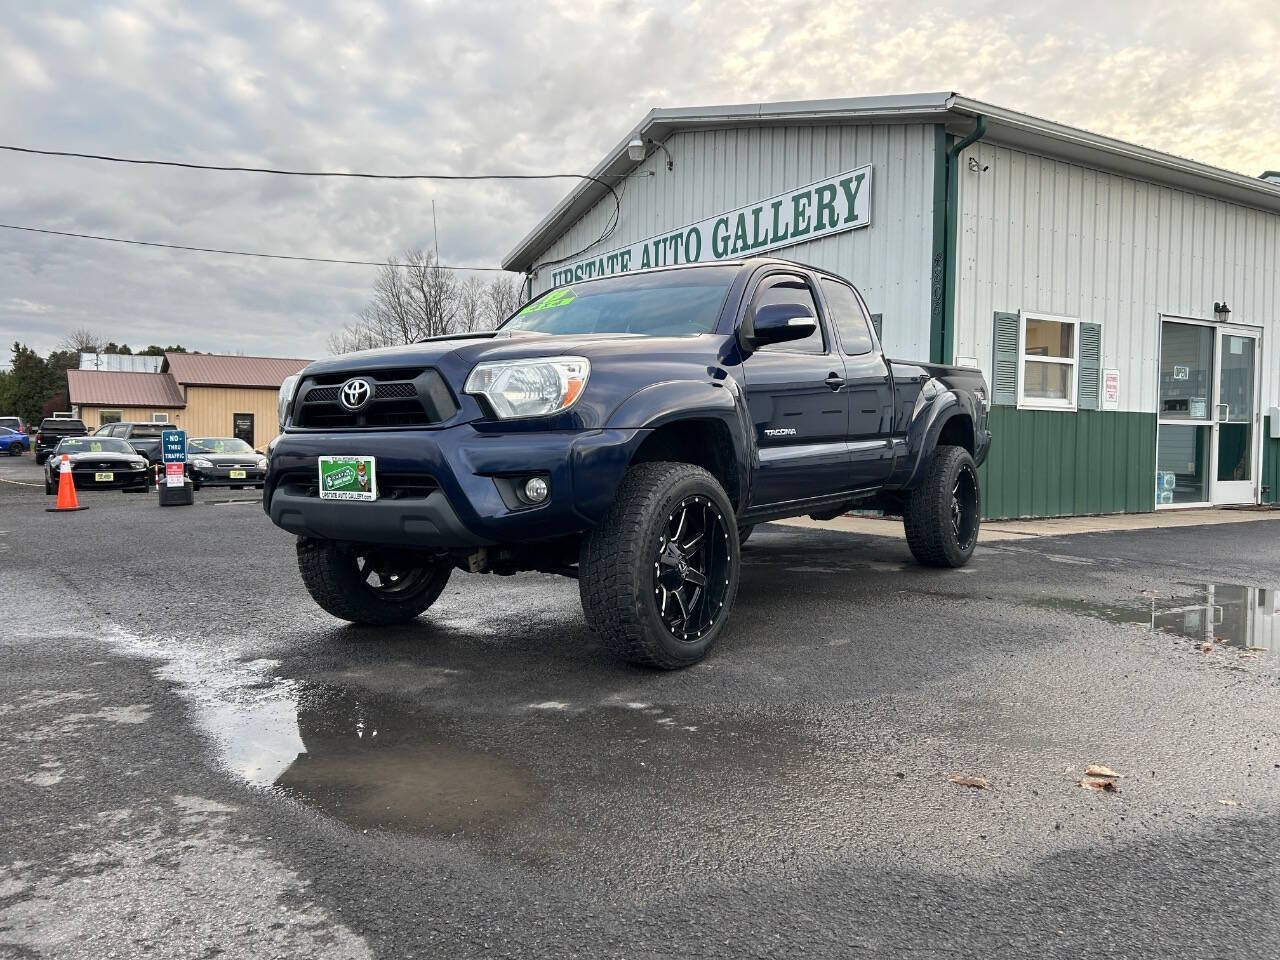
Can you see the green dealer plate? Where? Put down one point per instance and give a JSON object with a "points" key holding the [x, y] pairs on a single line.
{"points": [[348, 478]]}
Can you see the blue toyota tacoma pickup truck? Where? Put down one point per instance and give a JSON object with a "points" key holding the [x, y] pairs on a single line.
{"points": [[629, 432]]}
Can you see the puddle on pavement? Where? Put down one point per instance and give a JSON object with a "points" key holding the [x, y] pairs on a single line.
{"points": [[427, 750], [380, 767], [1226, 614]]}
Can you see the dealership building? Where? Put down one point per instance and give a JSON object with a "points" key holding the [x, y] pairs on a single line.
{"points": [[1122, 302]]}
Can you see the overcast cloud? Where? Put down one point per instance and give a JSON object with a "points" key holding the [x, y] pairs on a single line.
{"points": [[393, 86]]}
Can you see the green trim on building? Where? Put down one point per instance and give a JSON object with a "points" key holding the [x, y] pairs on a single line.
{"points": [[1047, 463], [1270, 464], [938, 257]]}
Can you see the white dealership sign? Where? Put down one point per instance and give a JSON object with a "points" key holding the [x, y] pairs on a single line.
{"points": [[834, 205]]}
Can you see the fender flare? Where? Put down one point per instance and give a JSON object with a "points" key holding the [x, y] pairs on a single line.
{"points": [[674, 401], [927, 425]]}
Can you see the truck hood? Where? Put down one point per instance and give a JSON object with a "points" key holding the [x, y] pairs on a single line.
{"points": [[453, 354]]}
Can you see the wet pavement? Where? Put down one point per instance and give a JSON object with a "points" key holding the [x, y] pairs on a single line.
{"points": [[198, 761]]}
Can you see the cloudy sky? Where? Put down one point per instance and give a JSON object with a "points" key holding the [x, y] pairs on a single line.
{"points": [[415, 86]]}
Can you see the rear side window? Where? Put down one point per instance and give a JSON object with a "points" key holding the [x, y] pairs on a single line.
{"points": [[792, 290], [846, 314]]}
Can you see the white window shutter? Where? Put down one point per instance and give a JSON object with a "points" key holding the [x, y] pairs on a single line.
{"points": [[1089, 391], [1004, 361]]}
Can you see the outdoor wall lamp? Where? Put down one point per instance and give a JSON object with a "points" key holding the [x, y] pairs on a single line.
{"points": [[1221, 312], [637, 150]]}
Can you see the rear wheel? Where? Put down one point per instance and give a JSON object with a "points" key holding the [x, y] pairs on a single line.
{"points": [[943, 514], [15, 449], [658, 576], [370, 585]]}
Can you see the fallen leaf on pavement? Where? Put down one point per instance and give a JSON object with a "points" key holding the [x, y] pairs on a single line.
{"points": [[1098, 770], [962, 780], [1206, 648], [1099, 783], [1230, 803]]}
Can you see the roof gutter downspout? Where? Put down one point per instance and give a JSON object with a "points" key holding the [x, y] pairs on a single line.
{"points": [[942, 343]]}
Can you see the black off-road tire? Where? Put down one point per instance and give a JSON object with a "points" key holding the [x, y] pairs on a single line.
{"points": [[930, 511], [330, 571], [616, 571]]}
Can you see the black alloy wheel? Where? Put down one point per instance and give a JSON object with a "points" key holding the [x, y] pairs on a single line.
{"points": [[691, 569], [385, 576], [370, 585], [964, 507]]}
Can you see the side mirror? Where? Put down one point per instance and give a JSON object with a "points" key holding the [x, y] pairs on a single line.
{"points": [[782, 323]]}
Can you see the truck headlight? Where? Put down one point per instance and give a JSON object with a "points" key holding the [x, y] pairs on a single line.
{"points": [[529, 388], [285, 400]]}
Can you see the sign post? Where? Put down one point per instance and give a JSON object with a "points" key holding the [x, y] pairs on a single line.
{"points": [[176, 490]]}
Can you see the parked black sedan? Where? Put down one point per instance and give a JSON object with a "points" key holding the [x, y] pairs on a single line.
{"points": [[98, 463], [224, 462]]}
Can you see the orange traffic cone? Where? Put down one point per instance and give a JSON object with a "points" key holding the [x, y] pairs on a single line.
{"points": [[66, 489]]}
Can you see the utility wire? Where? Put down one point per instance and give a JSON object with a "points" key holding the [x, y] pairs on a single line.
{"points": [[610, 227], [233, 253]]}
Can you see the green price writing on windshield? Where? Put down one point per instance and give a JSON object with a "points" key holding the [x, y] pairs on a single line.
{"points": [[556, 298]]}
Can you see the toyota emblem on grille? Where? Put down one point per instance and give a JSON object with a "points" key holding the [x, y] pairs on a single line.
{"points": [[356, 393]]}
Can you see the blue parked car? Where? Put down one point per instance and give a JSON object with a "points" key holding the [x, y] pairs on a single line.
{"points": [[14, 443]]}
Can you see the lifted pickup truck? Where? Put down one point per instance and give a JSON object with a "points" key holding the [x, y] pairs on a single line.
{"points": [[627, 431]]}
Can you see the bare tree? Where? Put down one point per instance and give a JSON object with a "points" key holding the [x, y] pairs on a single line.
{"points": [[414, 298], [82, 340], [503, 295], [472, 313]]}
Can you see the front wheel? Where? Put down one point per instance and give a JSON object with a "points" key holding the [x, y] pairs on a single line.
{"points": [[369, 585], [942, 515], [658, 576]]}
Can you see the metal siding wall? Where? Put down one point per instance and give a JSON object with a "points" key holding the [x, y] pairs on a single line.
{"points": [[1047, 463], [209, 411], [92, 415], [720, 170], [1043, 234]]}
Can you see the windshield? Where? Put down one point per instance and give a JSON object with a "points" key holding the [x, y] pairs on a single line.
{"points": [[92, 445], [218, 445], [674, 303], [147, 431]]}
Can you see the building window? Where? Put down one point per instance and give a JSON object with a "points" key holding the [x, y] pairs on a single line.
{"points": [[159, 418], [109, 416], [1050, 348]]}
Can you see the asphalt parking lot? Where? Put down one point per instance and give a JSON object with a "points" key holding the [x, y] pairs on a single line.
{"points": [[196, 761]]}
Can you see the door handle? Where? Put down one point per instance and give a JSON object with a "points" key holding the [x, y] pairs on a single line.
{"points": [[834, 380]]}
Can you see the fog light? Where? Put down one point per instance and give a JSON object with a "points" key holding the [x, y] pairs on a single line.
{"points": [[536, 489]]}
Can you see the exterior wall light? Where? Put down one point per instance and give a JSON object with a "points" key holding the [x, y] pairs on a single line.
{"points": [[635, 149], [1221, 312]]}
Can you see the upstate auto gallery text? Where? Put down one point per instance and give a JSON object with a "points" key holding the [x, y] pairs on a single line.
{"points": [[840, 203]]}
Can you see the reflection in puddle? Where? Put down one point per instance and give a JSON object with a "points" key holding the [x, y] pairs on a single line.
{"points": [[1229, 614], [380, 767]]}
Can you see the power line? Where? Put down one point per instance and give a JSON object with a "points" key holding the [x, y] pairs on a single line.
{"points": [[233, 253], [608, 231], [279, 172]]}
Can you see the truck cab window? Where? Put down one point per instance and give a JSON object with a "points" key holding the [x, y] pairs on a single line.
{"points": [[846, 314]]}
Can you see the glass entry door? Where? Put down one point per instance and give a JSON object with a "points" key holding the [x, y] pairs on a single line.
{"points": [[1235, 415], [1206, 448]]}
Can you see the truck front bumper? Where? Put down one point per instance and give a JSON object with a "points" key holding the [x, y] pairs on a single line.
{"points": [[445, 488]]}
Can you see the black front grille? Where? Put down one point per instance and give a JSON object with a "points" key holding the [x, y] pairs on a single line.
{"points": [[391, 486], [413, 397]]}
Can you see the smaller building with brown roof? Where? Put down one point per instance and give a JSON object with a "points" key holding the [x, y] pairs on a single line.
{"points": [[208, 395]]}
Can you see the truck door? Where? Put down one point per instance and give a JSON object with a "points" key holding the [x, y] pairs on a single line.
{"points": [[799, 408], [868, 383]]}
